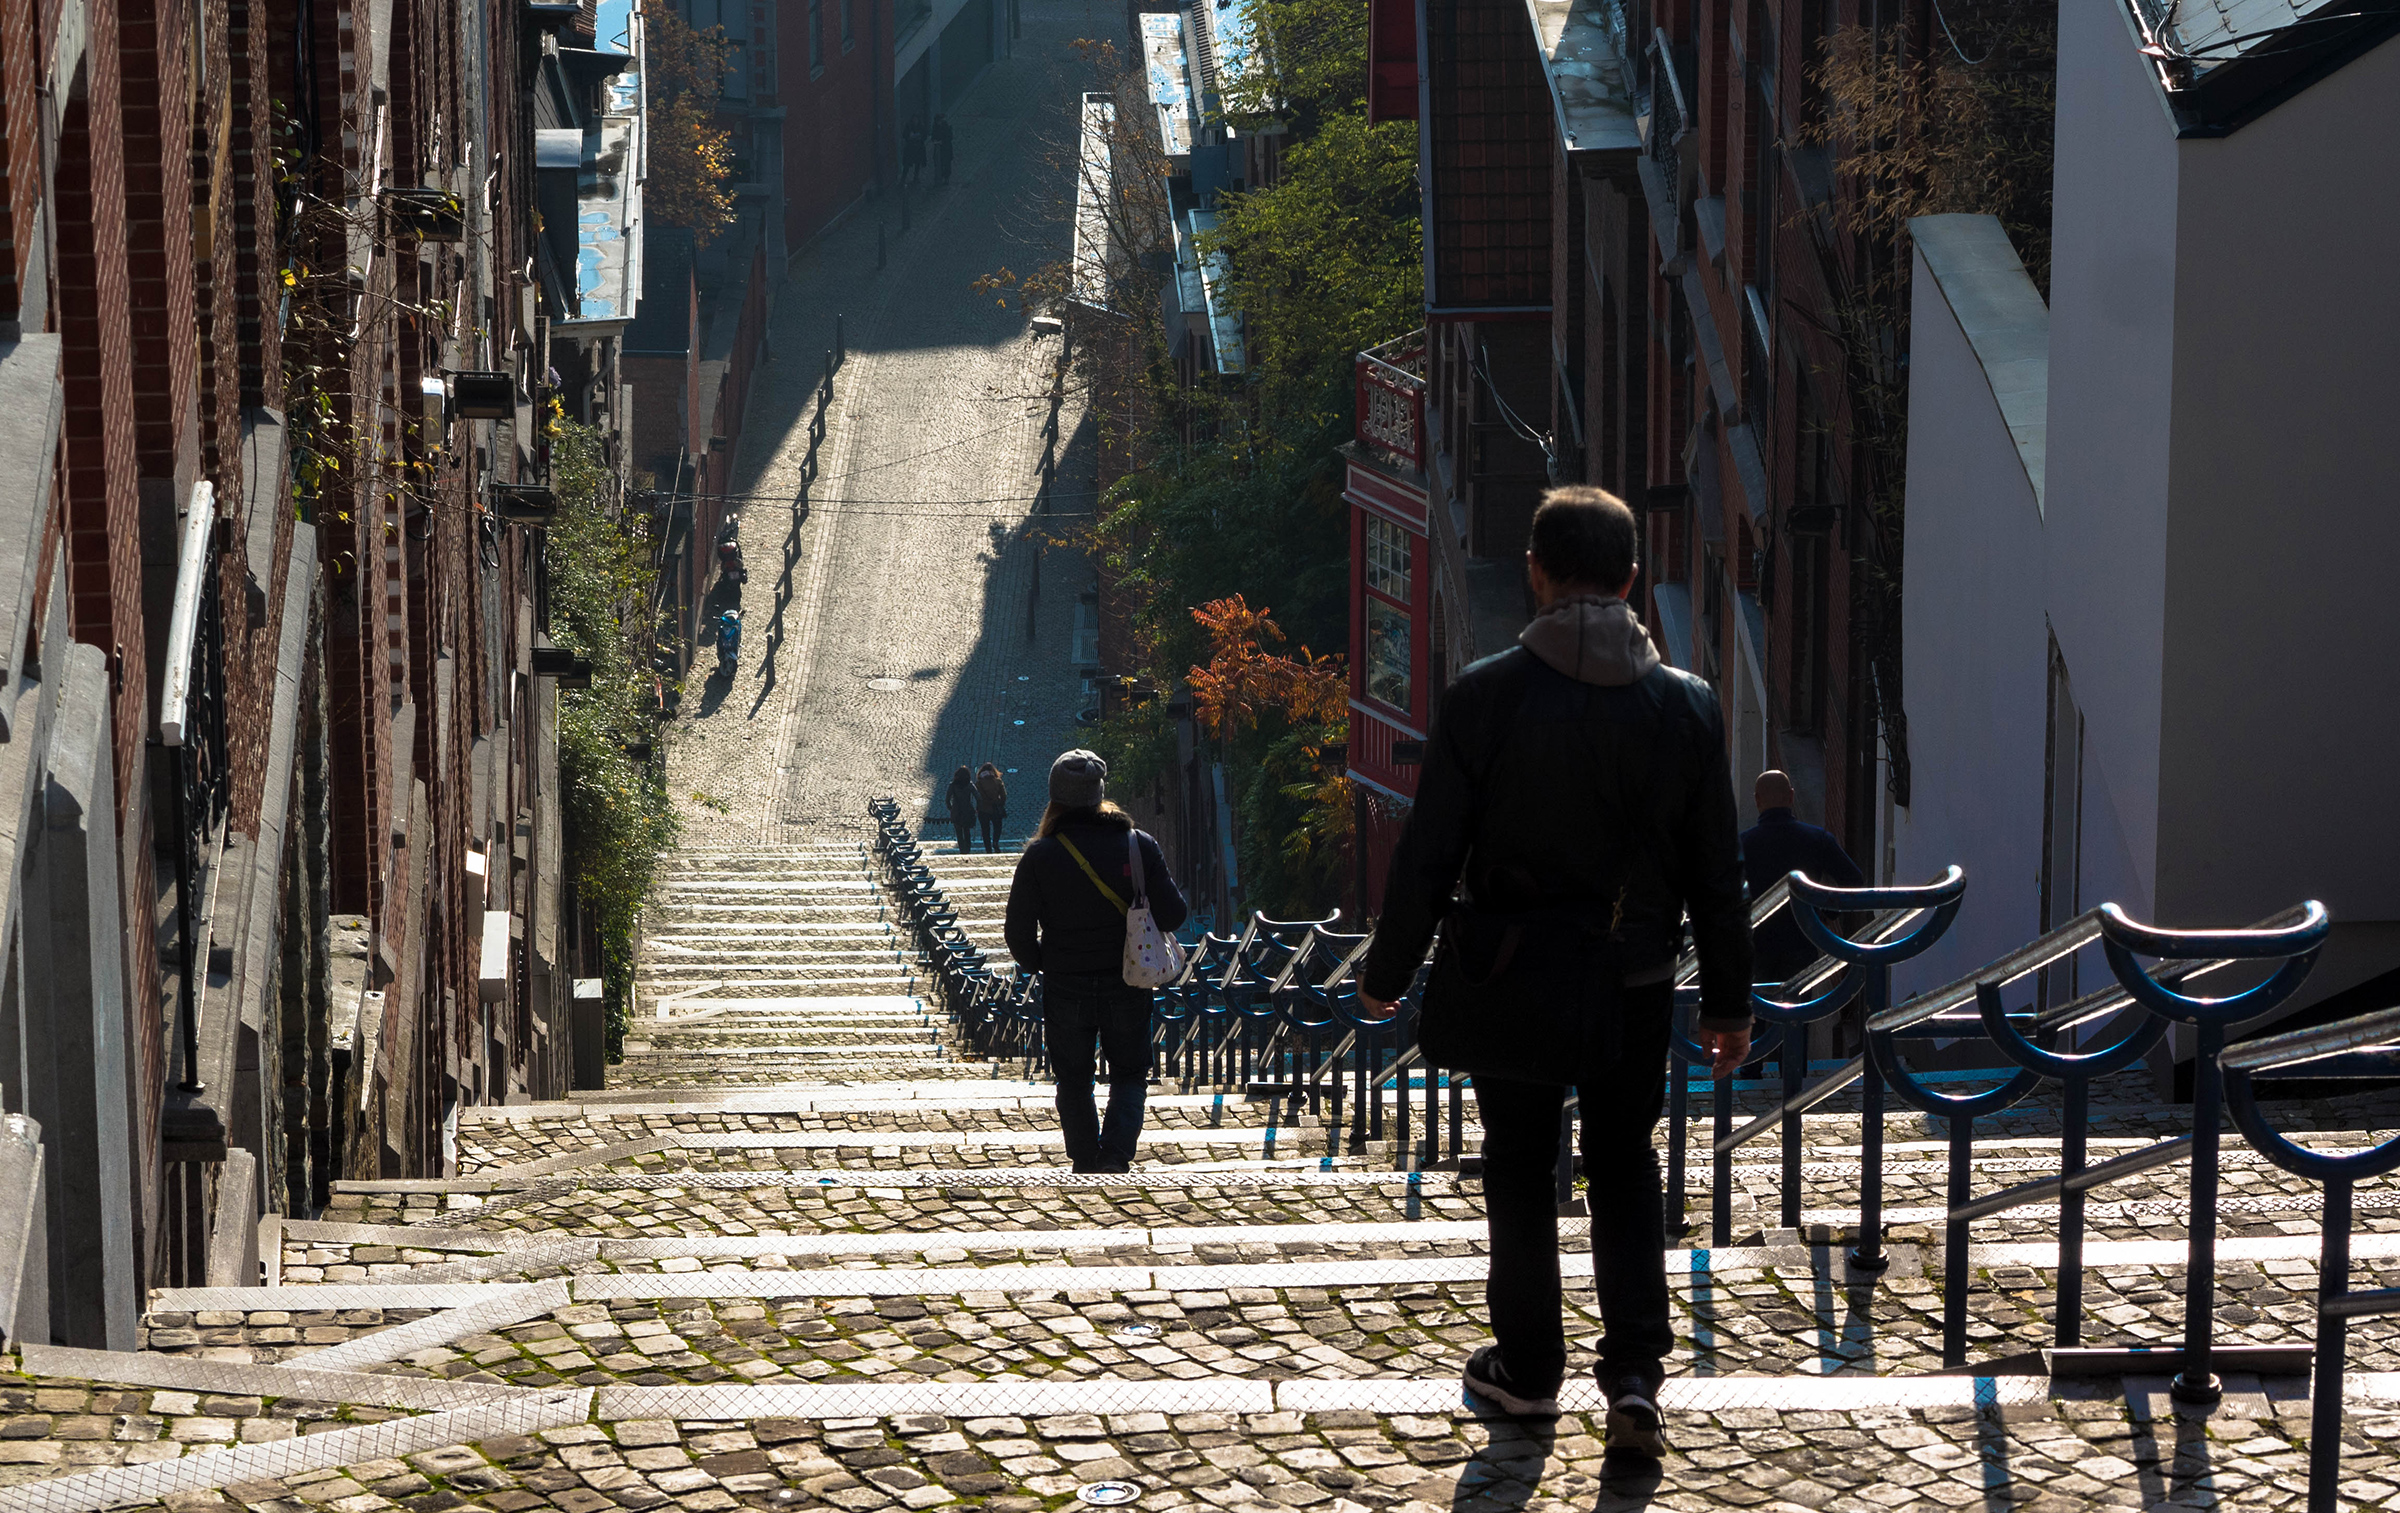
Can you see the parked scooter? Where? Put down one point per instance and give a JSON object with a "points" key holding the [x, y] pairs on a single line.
{"points": [[729, 641], [729, 551]]}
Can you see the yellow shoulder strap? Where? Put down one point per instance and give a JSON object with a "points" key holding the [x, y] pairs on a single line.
{"points": [[1106, 891]]}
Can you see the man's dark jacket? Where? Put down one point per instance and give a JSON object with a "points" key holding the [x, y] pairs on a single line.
{"points": [[1528, 775], [1778, 845]]}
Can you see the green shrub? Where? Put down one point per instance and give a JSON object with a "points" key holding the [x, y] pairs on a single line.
{"points": [[620, 824]]}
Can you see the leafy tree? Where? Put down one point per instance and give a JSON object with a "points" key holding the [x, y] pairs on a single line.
{"points": [[1235, 493], [1228, 490], [690, 154], [1315, 64], [1326, 262], [1277, 713]]}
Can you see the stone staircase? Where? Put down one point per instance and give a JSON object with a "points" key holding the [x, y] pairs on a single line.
{"points": [[807, 1248]]}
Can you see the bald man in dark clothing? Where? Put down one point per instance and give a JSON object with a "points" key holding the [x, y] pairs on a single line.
{"points": [[1779, 844]]}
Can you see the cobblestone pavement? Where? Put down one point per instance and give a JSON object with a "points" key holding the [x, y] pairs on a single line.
{"points": [[2048, 1458], [809, 1251]]}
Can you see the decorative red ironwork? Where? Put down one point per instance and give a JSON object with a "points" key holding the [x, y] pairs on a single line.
{"points": [[1391, 400]]}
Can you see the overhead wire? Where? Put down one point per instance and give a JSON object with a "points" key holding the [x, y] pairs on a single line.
{"points": [[1509, 417], [1953, 38], [815, 504]]}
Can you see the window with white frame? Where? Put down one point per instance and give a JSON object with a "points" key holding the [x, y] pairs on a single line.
{"points": [[1387, 558]]}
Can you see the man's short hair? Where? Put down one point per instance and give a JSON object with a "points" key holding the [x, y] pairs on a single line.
{"points": [[1585, 536]]}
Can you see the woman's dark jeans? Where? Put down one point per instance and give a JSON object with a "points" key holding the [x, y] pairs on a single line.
{"points": [[1620, 1104], [991, 832], [966, 833], [1079, 1014]]}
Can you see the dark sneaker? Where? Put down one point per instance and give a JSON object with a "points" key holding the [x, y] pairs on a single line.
{"points": [[1634, 1427], [1486, 1378]]}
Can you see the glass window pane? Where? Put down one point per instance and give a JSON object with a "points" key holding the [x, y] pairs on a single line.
{"points": [[1387, 558], [1387, 654]]}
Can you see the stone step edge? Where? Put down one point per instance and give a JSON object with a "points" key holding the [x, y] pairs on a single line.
{"points": [[157, 1369], [483, 1298], [109, 1486], [1309, 1171], [500, 1247], [1265, 1135], [804, 1097]]}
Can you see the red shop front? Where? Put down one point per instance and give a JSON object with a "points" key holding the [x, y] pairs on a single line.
{"points": [[1391, 690]]}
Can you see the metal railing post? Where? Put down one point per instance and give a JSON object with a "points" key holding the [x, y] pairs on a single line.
{"points": [[1867, 1254], [2196, 1383], [2296, 951], [1792, 1060], [1679, 1107], [1720, 1196], [2073, 1152], [2325, 1384]]}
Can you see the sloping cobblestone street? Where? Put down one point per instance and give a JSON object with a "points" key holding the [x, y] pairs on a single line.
{"points": [[898, 623], [810, 1251]]}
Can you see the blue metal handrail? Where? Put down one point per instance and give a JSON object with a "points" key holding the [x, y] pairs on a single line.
{"points": [[2296, 946], [2350, 1047], [1935, 905]]}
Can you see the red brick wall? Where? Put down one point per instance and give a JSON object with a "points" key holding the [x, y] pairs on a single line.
{"points": [[20, 149], [838, 124], [252, 85], [101, 516], [154, 46]]}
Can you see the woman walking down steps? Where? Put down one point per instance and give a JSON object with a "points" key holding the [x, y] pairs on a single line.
{"points": [[1066, 920]]}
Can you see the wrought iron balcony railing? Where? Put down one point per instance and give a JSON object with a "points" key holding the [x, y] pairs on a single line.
{"points": [[1391, 399], [1668, 110]]}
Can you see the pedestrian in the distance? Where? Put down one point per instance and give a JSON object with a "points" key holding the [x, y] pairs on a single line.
{"points": [[961, 802], [940, 138], [912, 152], [1778, 845], [991, 804], [1066, 920], [1580, 792]]}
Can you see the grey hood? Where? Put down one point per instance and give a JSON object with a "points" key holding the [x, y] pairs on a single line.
{"points": [[1592, 639]]}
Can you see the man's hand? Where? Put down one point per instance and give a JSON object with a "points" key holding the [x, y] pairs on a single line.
{"points": [[1727, 1050], [1373, 1007]]}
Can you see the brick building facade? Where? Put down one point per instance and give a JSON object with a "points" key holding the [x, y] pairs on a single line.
{"points": [[284, 882]]}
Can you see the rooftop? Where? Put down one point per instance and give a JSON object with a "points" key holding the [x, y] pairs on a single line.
{"points": [[1231, 41], [1167, 60], [2223, 63], [1094, 250]]}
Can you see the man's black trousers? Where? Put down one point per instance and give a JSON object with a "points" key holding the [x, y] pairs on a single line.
{"points": [[1621, 1098]]}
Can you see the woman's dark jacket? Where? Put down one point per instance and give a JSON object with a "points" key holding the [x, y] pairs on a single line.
{"points": [[1527, 776], [1057, 920], [991, 796], [961, 801]]}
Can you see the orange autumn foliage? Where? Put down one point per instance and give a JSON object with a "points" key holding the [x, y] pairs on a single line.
{"points": [[1244, 681]]}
